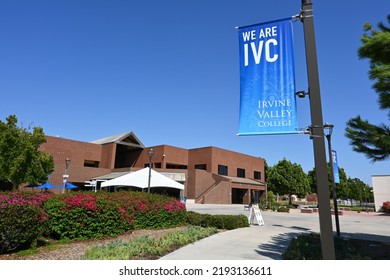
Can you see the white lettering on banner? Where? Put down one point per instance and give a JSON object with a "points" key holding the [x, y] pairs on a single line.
{"points": [[272, 109], [275, 114], [274, 103], [274, 123], [257, 50], [250, 35], [268, 32], [267, 51]]}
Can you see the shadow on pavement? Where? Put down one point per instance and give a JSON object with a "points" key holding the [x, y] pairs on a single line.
{"points": [[277, 246], [280, 242]]}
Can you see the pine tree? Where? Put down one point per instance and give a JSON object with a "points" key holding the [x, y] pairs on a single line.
{"points": [[369, 139]]}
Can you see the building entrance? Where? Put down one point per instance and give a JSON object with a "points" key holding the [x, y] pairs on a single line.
{"points": [[238, 196]]}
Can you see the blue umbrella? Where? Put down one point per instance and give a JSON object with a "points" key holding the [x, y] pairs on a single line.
{"points": [[46, 186], [69, 186]]}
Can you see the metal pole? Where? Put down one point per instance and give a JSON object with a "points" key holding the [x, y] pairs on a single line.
{"points": [[326, 232], [150, 175], [150, 153], [336, 211], [65, 177]]}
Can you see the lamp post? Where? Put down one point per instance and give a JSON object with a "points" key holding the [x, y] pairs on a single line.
{"points": [[150, 153], [336, 212], [66, 175], [327, 242]]}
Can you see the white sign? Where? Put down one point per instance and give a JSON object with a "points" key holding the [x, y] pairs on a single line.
{"points": [[255, 213]]}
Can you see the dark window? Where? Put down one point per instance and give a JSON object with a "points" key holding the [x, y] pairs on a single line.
{"points": [[240, 173], [154, 164], [91, 163], [222, 170], [176, 166], [257, 175], [201, 166]]}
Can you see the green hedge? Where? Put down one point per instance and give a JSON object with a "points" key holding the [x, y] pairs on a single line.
{"points": [[218, 221], [84, 216], [20, 226], [91, 215]]}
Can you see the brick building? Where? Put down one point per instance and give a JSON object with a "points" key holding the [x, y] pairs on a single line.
{"points": [[210, 174]]}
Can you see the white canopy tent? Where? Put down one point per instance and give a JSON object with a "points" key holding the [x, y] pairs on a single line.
{"points": [[140, 179]]}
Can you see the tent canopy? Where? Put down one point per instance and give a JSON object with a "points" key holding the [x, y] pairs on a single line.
{"points": [[140, 179], [69, 186], [46, 186]]}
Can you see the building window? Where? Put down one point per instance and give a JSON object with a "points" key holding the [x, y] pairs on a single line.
{"points": [[257, 175], [201, 166], [240, 172], [176, 166], [91, 163], [154, 165], [222, 170]]}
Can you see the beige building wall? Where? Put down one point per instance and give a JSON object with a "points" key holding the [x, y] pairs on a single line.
{"points": [[381, 187]]}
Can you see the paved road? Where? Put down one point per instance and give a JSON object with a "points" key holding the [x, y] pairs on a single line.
{"points": [[269, 241]]}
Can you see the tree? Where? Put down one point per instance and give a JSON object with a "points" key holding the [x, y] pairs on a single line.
{"points": [[288, 178], [21, 161], [369, 139], [342, 190], [359, 190]]}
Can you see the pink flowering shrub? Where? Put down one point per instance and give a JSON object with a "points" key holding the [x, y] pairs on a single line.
{"points": [[82, 215], [22, 219], [86, 215], [157, 211]]}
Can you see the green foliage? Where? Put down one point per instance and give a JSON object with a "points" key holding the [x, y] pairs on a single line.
{"points": [[268, 201], [308, 247], [218, 221], [145, 247], [91, 215], [358, 190], [20, 227], [288, 178], [157, 211], [342, 187], [283, 209], [83, 216], [21, 161], [374, 140]]}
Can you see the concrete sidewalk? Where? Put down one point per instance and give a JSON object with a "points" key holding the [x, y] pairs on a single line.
{"points": [[269, 241]]}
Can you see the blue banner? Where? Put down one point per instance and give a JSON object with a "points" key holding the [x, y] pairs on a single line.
{"points": [[267, 79], [335, 167]]}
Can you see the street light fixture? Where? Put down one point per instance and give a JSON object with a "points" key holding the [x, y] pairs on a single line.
{"points": [[150, 153], [66, 175], [329, 138]]}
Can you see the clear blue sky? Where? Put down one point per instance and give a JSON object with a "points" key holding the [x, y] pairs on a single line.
{"points": [[169, 72]]}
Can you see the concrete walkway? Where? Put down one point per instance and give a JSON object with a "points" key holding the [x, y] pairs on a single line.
{"points": [[269, 241]]}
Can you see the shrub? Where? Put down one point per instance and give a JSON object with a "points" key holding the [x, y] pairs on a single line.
{"points": [[20, 227], [218, 221], [386, 207], [90, 215], [283, 209], [308, 247], [22, 219], [157, 211], [146, 247], [86, 215]]}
